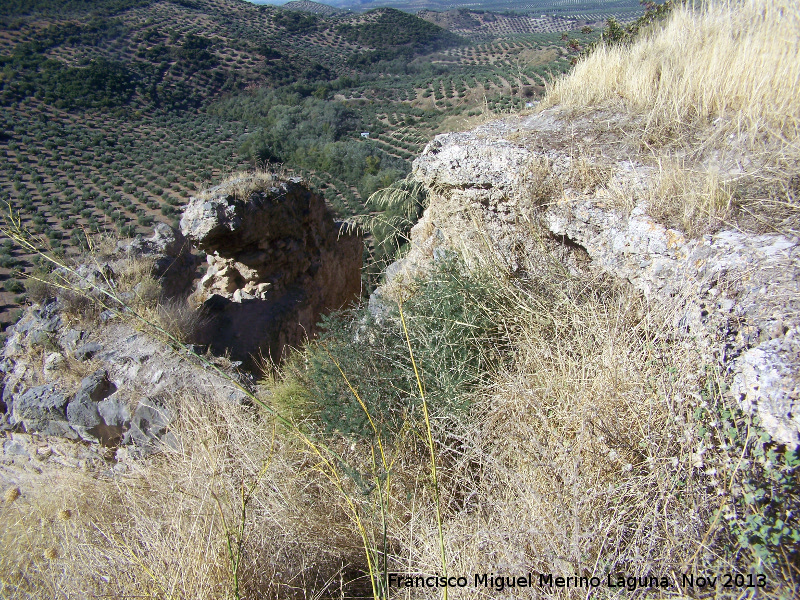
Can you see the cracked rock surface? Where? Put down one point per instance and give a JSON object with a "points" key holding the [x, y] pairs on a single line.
{"points": [[276, 262], [511, 190]]}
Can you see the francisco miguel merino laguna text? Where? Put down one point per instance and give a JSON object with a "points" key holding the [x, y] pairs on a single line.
{"points": [[501, 582]]}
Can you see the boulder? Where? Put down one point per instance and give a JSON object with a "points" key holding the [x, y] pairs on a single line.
{"points": [[42, 409], [276, 262], [82, 411], [148, 424]]}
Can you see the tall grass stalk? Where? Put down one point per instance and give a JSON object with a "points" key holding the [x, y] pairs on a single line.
{"points": [[386, 464], [431, 450], [378, 580], [234, 545]]}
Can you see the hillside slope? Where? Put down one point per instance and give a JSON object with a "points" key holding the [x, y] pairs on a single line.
{"points": [[584, 368], [113, 113]]}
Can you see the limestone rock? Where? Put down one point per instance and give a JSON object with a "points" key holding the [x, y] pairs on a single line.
{"points": [[114, 412], [511, 192], [70, 338], [148, 424], [41, 408], [276, 262], [768, 383], [83, 413], [87, 351], [52, 363], [96, 386], [133, 366], [38, 325]]}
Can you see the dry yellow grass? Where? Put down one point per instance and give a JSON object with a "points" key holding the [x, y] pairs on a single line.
{"points": [[573, 460], [243, 183], [734, 60], [161, 530], [716, 90], [694, 201]]}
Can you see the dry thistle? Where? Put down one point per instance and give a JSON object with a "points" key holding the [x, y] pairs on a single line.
{"points": [[11, 494], [51, 553], [65, 515]]}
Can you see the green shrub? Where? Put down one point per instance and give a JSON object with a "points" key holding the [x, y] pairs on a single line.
{"points": [[14, 286], [769, 503], [625, 33], [457, 344], [394, 210], [762, 516]]}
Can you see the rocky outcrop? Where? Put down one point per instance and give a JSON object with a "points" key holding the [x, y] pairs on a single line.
{"points": [[174, 265], [512, 190], [276, 262], [128, 378], [126, 397]]}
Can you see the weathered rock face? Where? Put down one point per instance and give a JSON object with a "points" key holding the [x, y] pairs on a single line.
{"points": [[509, 189], [124, 400], [125, 397], [276, 262], [173, 263]]}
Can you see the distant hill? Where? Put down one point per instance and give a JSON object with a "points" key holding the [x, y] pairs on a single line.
{"points": [[481, 25], [393, 33], [316, 8], [590, 10]]}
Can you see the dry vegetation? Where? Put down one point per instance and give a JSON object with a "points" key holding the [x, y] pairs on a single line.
{"points": [[161, 530], [713, 100], [242, 184], [596, 447], [597, 442]]}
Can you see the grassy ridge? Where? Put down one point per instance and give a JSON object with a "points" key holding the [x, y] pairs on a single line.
{"points": [[731, 95]]}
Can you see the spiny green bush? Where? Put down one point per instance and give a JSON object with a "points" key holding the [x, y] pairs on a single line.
{"points": [[456, 339], [769, 503]]}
